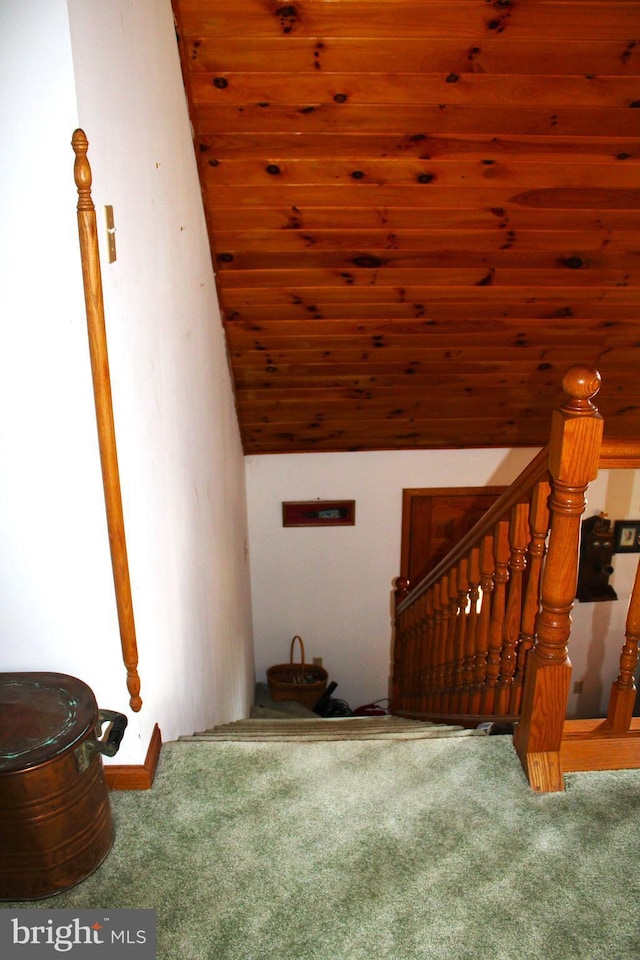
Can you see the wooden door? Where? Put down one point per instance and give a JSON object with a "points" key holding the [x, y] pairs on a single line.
{"points": [[434, 519]]}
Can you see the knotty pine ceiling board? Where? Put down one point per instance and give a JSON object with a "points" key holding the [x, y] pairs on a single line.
{"points": [[421, 213]]}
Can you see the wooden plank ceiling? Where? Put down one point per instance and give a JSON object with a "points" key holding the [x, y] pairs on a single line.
{"points": [[421, 213]]}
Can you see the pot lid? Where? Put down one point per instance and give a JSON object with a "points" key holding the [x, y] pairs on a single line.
{"points": [[41, 715]]}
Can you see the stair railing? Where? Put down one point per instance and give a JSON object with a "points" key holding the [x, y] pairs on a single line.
{"points": [[612, 743], [437, 673], [484, 635], [623, 690]]}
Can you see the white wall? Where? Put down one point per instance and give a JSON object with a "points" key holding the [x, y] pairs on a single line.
{"points": [[56, 602], [333, 585], [111, 67]]}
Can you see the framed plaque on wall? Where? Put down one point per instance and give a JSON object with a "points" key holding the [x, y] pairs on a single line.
{"points": [[319, 513]]}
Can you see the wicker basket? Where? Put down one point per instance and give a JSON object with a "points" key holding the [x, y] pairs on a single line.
{"points": [[303, 682]]}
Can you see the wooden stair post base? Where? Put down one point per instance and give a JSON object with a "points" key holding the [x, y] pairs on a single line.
{"points": [[538, 736], [621, 704], [574, 451], [544, 771]]}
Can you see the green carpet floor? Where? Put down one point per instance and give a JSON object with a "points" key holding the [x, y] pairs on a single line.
{"points": [[391, 850]]}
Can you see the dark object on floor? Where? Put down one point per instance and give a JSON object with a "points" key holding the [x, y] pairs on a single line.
{"points": [[374, 709], [328, 706], [55, 815], [324, 699], [336, 708], [496, 728]]}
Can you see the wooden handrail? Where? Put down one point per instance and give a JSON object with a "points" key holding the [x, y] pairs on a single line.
{"points": [[536, 470], [94, 305], [622, 454], [615, 453]]}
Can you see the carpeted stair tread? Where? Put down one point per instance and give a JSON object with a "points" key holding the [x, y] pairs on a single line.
{"points": [[343, 728], [274, 712]]}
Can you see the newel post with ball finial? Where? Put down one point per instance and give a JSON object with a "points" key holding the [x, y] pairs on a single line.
{"points": [[574, 453]]}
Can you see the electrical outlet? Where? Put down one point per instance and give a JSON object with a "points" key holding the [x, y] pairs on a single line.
{"points": [[317, 661], [578, 686]]}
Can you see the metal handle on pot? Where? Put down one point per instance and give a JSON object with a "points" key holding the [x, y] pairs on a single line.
{"points": [[108, 747], [118, 721]]}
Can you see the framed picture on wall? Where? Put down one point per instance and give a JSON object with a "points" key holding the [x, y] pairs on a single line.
{"points": [[626, 536], [319, 513]]}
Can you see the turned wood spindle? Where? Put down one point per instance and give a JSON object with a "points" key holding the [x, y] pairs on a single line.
{"points": [[539, 524], [487, 570], [501, 554], [623, 690], [462, 601], [470, 651], [518, 540]]}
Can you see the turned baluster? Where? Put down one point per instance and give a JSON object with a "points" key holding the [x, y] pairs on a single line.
{"points": [[449, 660], [434, 594], [417, 641], [423, 653], [574, 452], [408, 656], [429, 681], [487, 570], [403, 647], [398, 663], [428, 648], [449, 664], [518, 540], [406, 660], [416, 656], [501, 555], [471, 623], [401, 591], [413, 653], [623, 691], [454, 658], [462, 600], [539, 522], [442, 625]]}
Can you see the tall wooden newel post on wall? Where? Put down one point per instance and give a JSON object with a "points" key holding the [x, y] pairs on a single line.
{"points": [[574, 453], [94, 304]]}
